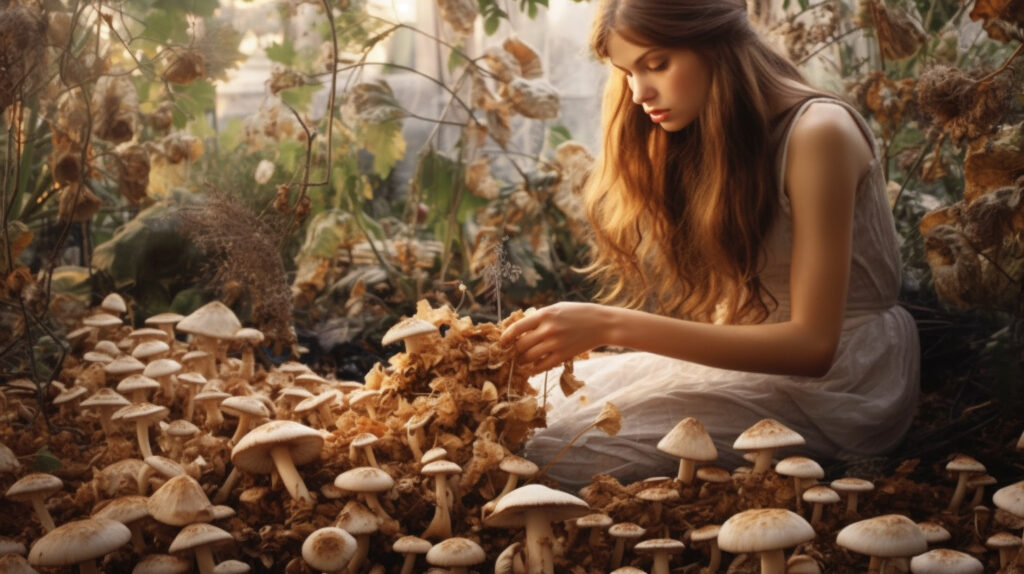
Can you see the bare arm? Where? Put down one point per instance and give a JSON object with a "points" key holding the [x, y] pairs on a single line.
{"points": [[827, 154]]}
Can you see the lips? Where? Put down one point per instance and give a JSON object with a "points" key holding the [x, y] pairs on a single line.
{"points": [[658, 116]]}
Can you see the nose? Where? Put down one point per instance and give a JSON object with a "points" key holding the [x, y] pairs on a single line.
{"points": [[642, 90]]}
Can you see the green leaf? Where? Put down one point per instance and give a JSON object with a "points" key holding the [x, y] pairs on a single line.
{"points": [[456, 60], [804, 4], [557, 135], [491, 24], [385, 142], [283, 53], [45, 461], [161, 26], [374, 102], [194, 100], [299, 97]]}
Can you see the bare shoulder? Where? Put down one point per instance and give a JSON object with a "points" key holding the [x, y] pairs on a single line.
{"points": [[826, 131]]}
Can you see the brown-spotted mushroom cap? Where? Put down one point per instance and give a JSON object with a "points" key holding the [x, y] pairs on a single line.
{"points": [[165, 322], [1007, 544], [409, 547], [945, 561], [964, 466], [231, 567], [137, 387], [200, 538], [416, 333], [933, 532], [456, 554], [102, 321], [8, 461], [709, 534], [123, 366], [214, 320], [767, 531], [79, 542], [127, 510], [149, 349], [662, 550], [368, 481], [536, 506], [851, 487], [690, 442], [1011, 499], [885, 536], [800, 468], [180, 501], [34, 488], [248, 410], [765, 437], [280, 445], [802, 564], [162, 564], [329, 549]]}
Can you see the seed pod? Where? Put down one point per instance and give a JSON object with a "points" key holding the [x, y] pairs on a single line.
{"points": [[185, 66]]}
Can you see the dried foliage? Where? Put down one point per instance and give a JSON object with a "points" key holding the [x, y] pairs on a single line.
{"points": [[459, 14], [184, 65], [899, 30], [1003, 19], [962, 106], [22, 40], [243, 259], [115, 109]]}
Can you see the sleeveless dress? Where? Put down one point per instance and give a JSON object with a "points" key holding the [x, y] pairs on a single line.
{"points": [[862, 407]]}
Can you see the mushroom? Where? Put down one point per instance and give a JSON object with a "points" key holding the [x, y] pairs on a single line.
{"points": [[945, 561], [596, 523], [415, 332], [851, 487], [128, 510], [517, 468], [456, 554], [662, 549], [180, 501], [802, 564], [409, 547], [249, 410], [165, 322], [621, 533], [415, 434], [1007, 544], [764, 438], [434, 454], [80, 543], [358, 521], [536, 506], [964, 466], [819, 496], [106, 401], [329, 549], [143, 415], [799, 468], [934, 532], [250, 339], [163, 371], [137, 386], [200, 538], [369, 482], [711, 475], [114, 304], [104, 323], [441, 524], [148, 351], [709, 534], [123, 366], [279, 445], [883, 537], [766, 531], [67, 398], [210, 324], [35, 488], [510, 561], [210, 402], [320, 403], [365, 442], [978, 484], [231, 567], [177, 433], [690, 442], [191, 382], [365, 399], [162, 564], [200, 361]]}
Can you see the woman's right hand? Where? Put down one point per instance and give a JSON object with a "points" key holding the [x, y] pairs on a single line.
{"points": [[555, 334]]}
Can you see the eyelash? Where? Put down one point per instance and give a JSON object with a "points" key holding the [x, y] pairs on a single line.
{"points": [[660, 67]]}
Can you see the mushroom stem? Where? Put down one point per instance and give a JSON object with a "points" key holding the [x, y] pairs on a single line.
{"points": [[248, 369], [225, 489], [368, 450], [441, 525], [44, 515], [979, 495], [137, 542], [1004, 556], [362, 550], [595, 537], [620, 548], [539, 537], [875, 565], [816, 513], [241, 429], [716, 557], [414, 441], [142, 433], [851, 505], [773, 562], [510, 485], [763, 461], [204, 560], [326, 418], [408, 563], [687, 468], [958, 494], [289, 474], [374, 504], [797, 491], [660, 565]]}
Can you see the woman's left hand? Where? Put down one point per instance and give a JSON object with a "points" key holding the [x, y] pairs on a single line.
{"points": [[551, 336]]}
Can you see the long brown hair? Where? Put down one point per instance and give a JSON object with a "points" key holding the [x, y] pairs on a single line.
{"points": [[680, 218]]}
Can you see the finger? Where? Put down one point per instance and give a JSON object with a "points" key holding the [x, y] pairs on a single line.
{"points": [[540, 351], [513, 331]]}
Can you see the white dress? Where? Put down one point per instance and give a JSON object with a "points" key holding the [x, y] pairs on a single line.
{"points": [[862, 407]]}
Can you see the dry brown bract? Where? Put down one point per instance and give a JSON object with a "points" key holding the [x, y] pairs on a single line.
{"points": [[962, 106], [900, 33], [1000, 17]]}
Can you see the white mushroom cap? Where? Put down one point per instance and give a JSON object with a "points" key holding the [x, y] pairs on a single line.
{"points": [[136, 382], [456, 552], [162, 564], [357, 519], [181, 428], [594, 520], [705, 533], [799, 467], [108, 348], [802, 564], [660, 545], [231, 567], [434, 454], [106, 397], [164, 319], [768, 433], [164, 466], [511, 510], [329, 549], [8, 461], [658, 494], [199, 534], [147, 333], [851, 484], [1011, 499], [79, 541], [445, 467], [34, 484], [114, 303], [252, 453], [144, 412], [690, 440], [364, 439], [69, 395], [102, 320], [1003, 540], [964, 463], [886, 536], [180, 501], [239, 406], [821, 494], [162, 367], [763, 529], [97, 357], [934, 532], [626, 530], [124, 509], [713, 474], [213, 320], [409, 327], [147, 349], [364, 479], [945, 561], [249, 335], [411, 545], [123, 366]]}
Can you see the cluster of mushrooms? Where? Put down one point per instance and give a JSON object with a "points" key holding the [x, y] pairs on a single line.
{"points": [[178, 451]]}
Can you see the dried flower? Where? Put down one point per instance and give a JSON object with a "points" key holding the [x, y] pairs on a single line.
{"points": [[115, 109], [609, 419], [184, 66], [535, 99], [133, 172], [960, 105], [77, 203], [459, 14], [899, 30]]}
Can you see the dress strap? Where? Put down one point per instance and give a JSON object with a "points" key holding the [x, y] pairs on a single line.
{"points": [[788, 122]]}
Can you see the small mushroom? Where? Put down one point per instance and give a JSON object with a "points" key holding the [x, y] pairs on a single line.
{"points": [[851, 487], [441, 524], [766, 531], [456, 554], [622, 532], [250, 339], [596, 523], [358, 521], [764, 438], [106, 401], [517, 468], [369, 482], [365, 441], [662, 549], [1007, 544], [137, 387], [409, 547], [200, 538], [249, 411], [964, 466], [800, 468], [280, 445], [416, 333], [883, 538], [142, 415], [934, 532], [819, 496], [709, 534], [329, 549], [128, 510], [180, 501], [690, 442], [163, 371], [80, 543], [536, 506], [35, 488], [165, 322], [945, 561]]}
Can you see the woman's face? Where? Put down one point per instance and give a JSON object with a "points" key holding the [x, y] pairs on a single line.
{"points": [[670, 83]]}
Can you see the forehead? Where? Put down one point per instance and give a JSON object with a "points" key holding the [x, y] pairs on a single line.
{"points": [[624, 52]]}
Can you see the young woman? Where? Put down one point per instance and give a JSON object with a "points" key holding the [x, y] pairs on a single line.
{"points": [[746, 250]]}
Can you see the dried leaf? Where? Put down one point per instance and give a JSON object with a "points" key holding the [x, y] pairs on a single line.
{"points": [[502, 64], [535, 99], [567, 381], [459, 14], [282, 78], [529, 62], [499, 125], [375, 103], [479, 180], [609, 419], [994, 161], [184, 66], [133, 172], [77, 203], [1000, 17], [900, 33]]}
